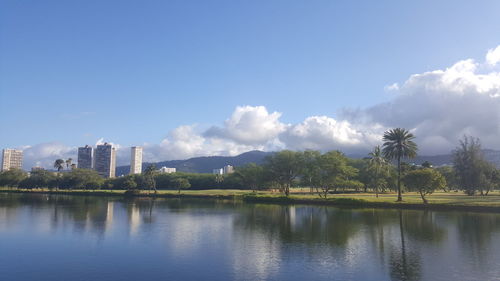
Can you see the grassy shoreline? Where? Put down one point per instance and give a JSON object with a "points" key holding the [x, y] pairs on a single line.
{"points": [[438, 201]]}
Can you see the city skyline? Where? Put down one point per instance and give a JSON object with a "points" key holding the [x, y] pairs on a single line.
{"points": [[209, 82]]}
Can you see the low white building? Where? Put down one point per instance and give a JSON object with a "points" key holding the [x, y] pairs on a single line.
{"points": [[168, 170], [218, 171]]}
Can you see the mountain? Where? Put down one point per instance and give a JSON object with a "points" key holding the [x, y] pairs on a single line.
{"points": [[204, 164], [207, 164], [492, 156]]}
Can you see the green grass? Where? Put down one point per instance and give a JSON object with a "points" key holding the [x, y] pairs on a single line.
{"points": [[445, 200]]}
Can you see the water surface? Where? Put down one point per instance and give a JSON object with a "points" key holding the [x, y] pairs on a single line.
{"points": [[59, 237]]}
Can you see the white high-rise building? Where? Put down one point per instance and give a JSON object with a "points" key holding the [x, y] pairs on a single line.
{"points": [[12, 159], [228, 169], [105, 160], [136, 160]]}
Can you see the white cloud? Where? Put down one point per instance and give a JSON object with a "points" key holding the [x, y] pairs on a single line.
{"points": [[439, 106], [251, 125], [392, 87], [493, 56], [185, 142], [44, 154], [102, 141], [325, 133]]}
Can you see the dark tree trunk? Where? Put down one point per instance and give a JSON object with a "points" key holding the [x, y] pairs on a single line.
{"points": [[400, 198], [423, 197]]}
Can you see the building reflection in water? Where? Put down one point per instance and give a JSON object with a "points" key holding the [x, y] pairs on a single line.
{"points": [[265, 241]]}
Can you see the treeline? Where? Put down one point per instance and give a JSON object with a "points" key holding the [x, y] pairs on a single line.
{"points": [[89, 179], [381, 171]]}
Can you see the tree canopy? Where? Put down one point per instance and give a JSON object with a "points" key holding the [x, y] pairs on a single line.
{"points": [[425, 181], [398, 143]]}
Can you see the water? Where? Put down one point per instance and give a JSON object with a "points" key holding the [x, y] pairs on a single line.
{"points": [[97, 238]]}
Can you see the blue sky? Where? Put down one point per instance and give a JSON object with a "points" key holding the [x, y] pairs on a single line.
{"points": [[133, 71]]}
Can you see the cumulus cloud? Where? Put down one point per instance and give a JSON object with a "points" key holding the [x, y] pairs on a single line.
{"points": [[185, 142], [441, 106], [493, 56], [44, 154], [251, 125], [325, 133], [438, 106]]}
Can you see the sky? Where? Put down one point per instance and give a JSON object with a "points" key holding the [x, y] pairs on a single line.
{"points": [[193, 78]]}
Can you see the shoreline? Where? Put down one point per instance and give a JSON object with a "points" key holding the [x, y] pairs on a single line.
{"points": [[250, 197]]}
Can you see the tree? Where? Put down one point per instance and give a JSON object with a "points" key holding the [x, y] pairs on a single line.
{"points": [[81, 179], [251, 175], [398, 144], [129, 184], [149, 178], [181, 183], [12, 177], [451, 178], [68, 162], [490, 178], [472, 170], [334, 173], [379, 165], [59, 164], [311, 168], [38, 179], [283, 168], [425, 181]]}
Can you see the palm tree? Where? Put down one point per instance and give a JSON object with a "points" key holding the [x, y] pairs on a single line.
{"points": [[68, 163], [377, 162], [59, 164], [398, 144]]}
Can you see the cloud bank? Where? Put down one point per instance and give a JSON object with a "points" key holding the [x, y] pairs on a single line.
{"points": [[438, 106]]}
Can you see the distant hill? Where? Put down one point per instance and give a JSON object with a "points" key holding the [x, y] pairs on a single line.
{"points": [[492, 156], [204, 164], [207, 164]]}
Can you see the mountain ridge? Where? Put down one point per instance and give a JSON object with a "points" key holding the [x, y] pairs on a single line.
{"points": [[205, 164]]}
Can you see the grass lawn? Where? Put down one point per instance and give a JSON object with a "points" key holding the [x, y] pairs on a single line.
{"points": [[302, 195]]}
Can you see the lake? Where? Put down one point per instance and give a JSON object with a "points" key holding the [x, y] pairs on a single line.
{"points": [[62, 237]]}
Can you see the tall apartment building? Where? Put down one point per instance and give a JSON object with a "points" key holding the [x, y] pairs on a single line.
{"points": [[86, 157], [136, 160], [12, 159], [105, 160], [228, 169]]}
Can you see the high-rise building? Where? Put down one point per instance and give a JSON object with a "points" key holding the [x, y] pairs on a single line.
{"points": [[105, 160], [218, 171], [136, 160], [86, 157], [228, 169], [12, 159]]}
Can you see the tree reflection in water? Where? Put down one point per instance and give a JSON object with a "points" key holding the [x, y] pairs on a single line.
{"points": [[399, 243]]}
